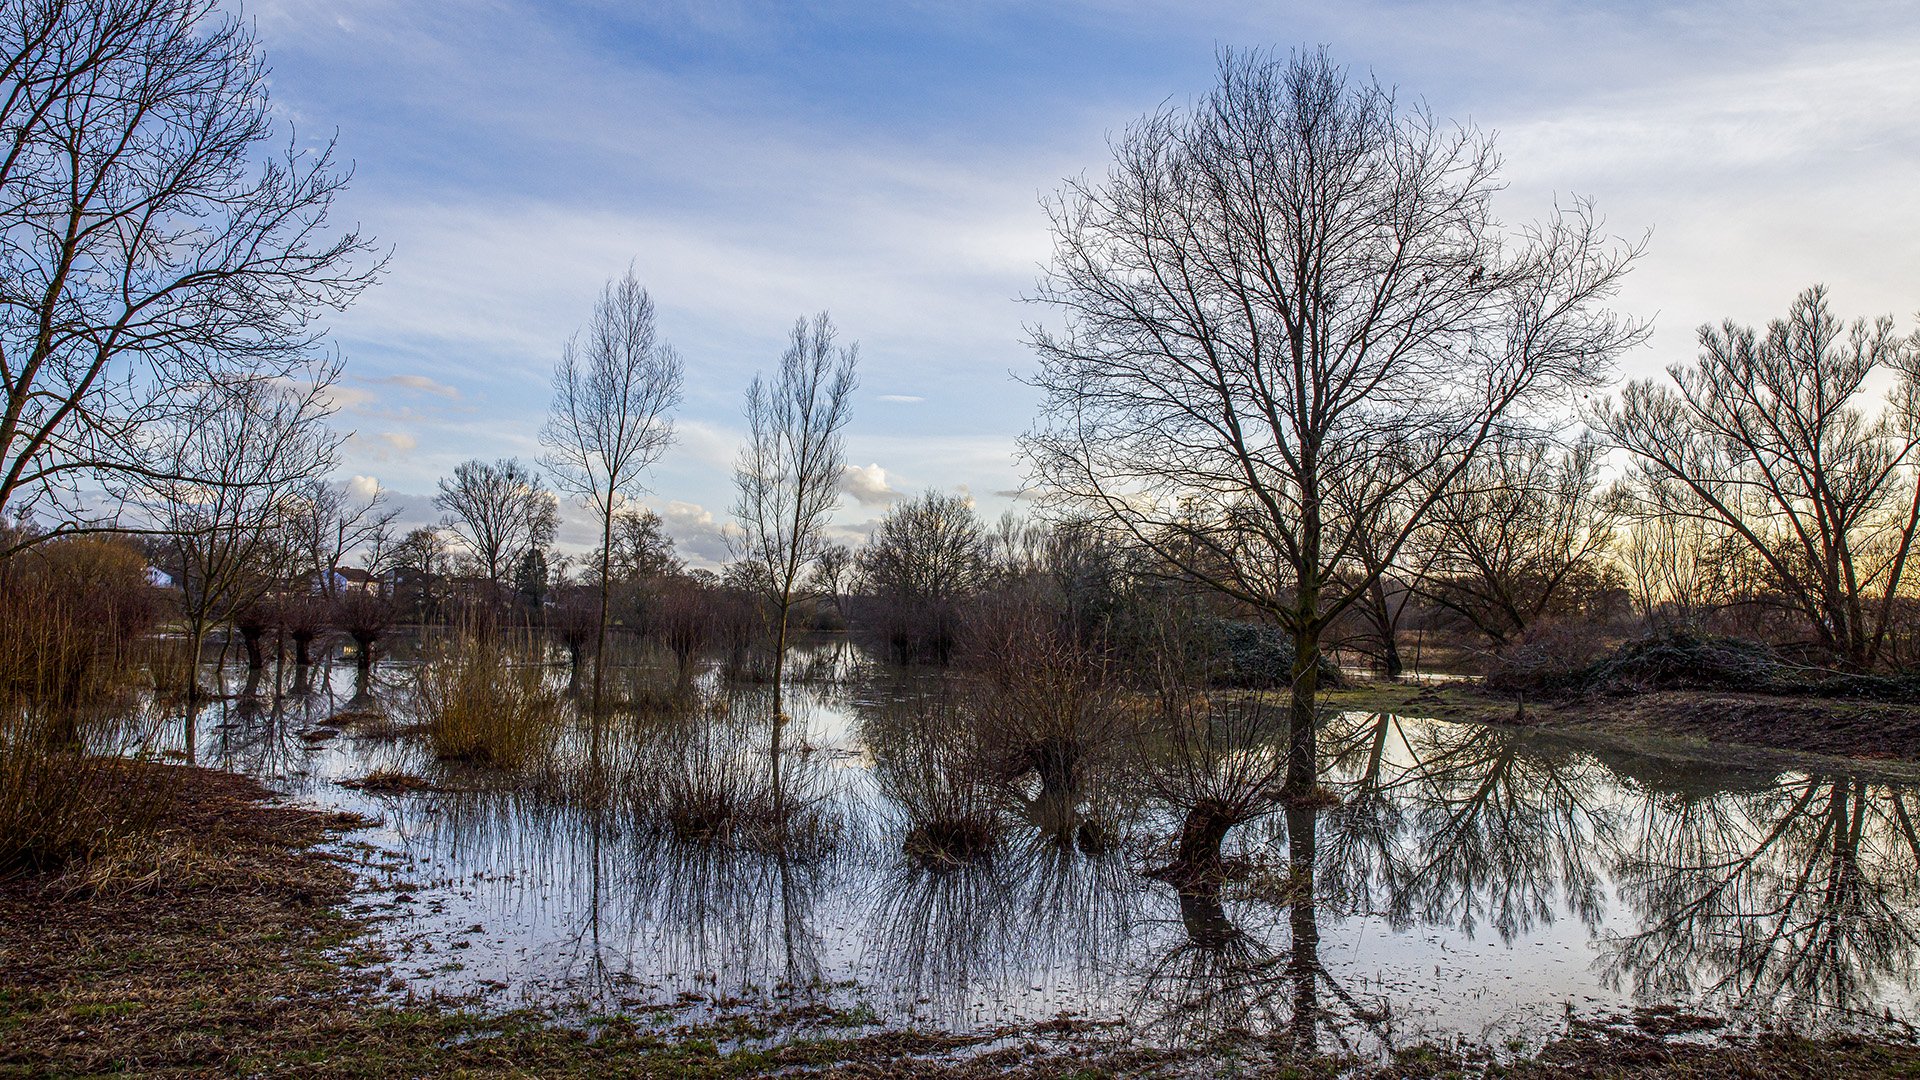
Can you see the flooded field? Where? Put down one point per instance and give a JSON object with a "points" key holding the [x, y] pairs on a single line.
{"points": [[1471, 882]]}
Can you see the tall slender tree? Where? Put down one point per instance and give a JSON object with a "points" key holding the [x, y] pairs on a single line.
{"points": [[614, 391], [788, 480]]}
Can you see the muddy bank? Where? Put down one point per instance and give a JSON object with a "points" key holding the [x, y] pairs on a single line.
{"points": [[1870, 731]]}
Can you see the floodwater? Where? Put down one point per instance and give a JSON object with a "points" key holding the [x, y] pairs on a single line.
{"points": [[1480, 883]]}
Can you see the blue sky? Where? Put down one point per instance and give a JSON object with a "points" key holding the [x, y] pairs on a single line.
{"points": [[760, 161]]}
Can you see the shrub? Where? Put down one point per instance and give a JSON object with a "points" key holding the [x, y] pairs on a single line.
{"points": [[73, 614], [483, 703], [929, 765], [61, 804], [712, 786], [1253, 656]]}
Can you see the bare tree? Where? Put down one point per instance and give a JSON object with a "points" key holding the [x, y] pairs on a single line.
{"points": [[788, 479], [641, 549], [148, 246], [419, 559], [1523, 536], [233, 477], [928, 555], [1679, 568], [498, 512], [1274, 289], [1764, 437], [329, 522], [832, 573], [613, 392]]}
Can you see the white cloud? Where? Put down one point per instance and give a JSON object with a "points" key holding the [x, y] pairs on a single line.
{"points": [[901, 399], [868, 485], [363, 487], [399, 441], [697, 536]]}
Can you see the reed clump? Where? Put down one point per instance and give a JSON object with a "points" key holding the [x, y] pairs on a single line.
{"points": [[485, 701], [710, 783]]}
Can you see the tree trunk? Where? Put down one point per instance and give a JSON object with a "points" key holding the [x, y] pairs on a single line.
{"points": [[1302, 743], [1304, 963], [1201, 836], [600, 634], [1383, 620], [779, 721]]}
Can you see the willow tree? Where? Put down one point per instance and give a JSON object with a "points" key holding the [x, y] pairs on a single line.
{"points": [[613, 392], [1269, 297], [1773, 442]]}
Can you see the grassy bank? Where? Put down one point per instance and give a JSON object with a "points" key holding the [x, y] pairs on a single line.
{"points": [[218, 948], [1874, 731]]}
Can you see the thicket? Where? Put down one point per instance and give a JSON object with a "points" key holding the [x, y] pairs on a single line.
{"points": [[73, 615]]}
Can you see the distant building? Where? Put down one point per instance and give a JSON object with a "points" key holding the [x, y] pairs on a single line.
{"points": [[351, 578]]}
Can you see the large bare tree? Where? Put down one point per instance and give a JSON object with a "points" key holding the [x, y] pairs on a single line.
{"points": [[1271, 292], [151, 242], [1765, 439], [613, 391], [788, 480], [498, 511]]}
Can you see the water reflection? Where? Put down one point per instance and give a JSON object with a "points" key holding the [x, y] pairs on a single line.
{"points": [[1471, 880], [1794, 900]]}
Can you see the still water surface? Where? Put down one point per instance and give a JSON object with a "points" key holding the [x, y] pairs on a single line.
{"points": [[1474, 882]]}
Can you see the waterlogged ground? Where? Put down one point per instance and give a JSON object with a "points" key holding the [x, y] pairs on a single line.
{"points": [[1482, 883]]}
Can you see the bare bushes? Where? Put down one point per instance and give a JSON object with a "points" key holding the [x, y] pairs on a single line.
{"points": [[930, 764], [484, 700], [1045, 702], [1564, 664], [72, 616], [703, 779]]}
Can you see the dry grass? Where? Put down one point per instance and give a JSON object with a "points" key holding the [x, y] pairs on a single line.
{"points": [[61, 805], [483, 702]]}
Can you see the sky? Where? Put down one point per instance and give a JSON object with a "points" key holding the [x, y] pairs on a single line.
{"points": [[758, 162]]}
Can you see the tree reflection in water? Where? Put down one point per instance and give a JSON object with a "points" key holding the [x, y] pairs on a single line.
{"points": [[1034, 909], [1791, 901], [1222, 980], [1751, 891]]}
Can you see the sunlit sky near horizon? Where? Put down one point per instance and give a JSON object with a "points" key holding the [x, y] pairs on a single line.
{"points": [[756, 162]]}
